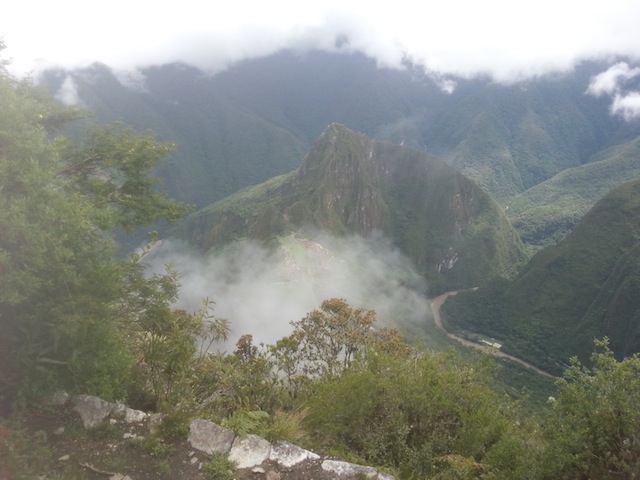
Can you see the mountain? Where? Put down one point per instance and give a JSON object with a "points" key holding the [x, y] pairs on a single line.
{"points": [[455, 234], [255, 120], [584, 287], [545, 213]]}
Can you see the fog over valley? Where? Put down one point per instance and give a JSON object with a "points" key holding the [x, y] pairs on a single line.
{"points": [[260, 290]]}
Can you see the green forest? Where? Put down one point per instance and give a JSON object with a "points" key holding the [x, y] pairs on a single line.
{"points": [[74, 315]]}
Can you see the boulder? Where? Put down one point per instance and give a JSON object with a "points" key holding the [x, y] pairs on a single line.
{"points": [[210, 438], [288, 455], [92, 410], [249, 451], [134, 416], [350, 470]]}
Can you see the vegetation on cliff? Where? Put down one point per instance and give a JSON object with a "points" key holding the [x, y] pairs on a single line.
{"points": [[582, 288], [349, 184]]}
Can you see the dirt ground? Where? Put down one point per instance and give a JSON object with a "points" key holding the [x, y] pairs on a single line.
{"points": [[54, 445]]}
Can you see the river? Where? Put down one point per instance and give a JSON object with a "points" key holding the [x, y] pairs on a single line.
{"points": [[438, 301]]}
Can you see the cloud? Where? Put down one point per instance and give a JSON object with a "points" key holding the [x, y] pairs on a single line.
{"points": [[262, 290], [505, 39], [615, 82], [627, 105], [67, 94]]}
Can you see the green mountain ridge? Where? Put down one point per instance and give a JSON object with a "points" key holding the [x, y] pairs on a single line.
{"points": [[584, 287], [256, 119], [455, 234], [544, 214]]}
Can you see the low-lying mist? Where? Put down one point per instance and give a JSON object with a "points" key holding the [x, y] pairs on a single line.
{"points": [[260, 289]]}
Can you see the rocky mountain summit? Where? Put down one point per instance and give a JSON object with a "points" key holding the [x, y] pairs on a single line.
{"points": [[349, 184]]}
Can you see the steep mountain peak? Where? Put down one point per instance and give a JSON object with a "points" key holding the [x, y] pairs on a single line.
{"points": [[337, 150], [350, 184]]}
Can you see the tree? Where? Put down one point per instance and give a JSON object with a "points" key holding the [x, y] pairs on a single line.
{"points": [[61, 287], [329, 338], [593, 428]]}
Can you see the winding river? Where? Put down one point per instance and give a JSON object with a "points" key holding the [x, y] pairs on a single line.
{"points": [[438, 301]]}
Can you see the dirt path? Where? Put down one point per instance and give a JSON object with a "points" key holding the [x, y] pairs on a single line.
{"points": [[438, 301]]}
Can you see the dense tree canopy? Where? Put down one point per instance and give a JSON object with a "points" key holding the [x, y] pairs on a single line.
{"points": [[61, 288]]}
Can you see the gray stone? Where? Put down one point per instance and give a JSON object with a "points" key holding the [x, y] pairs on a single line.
{"points": [[92, 410], [249, 451], [118, 410], [272, 475], [210, 438], [155, 420], [288, 455], [134, 416], [385, 476], [59, 398], [346, 469]]}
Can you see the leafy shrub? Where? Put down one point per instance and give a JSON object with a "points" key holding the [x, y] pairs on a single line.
{"points": [[219, 467]]}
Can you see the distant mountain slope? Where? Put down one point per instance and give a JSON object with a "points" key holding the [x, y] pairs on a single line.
{"points": [[544, 214], [456, 235], [255, 120], [584, 287]]}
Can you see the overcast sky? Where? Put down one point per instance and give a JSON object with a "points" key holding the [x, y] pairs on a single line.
{"points": [[506, 38]]}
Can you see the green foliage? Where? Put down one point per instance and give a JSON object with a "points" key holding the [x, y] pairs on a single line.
{"points": [[409, 411], [568, 294], [286, 425], [244, 422], [219, 467], [175, 425], [593, 427], [546, 213], [328, 339], [23, 455], [63, 295]]}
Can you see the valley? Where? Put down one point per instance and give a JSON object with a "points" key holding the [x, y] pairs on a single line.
{"points": [[436, 304]]}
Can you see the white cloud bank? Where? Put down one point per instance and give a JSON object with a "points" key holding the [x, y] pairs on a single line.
{"points": [[614, 82], [506, 39], [261, 291]]}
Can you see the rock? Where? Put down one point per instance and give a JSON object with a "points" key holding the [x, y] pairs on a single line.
{"points": [[258, 470], [385, 476], [58, 431], [288, 455], [249, 451], [210, 438], [155, 419], [272, 475], [92, 410], [59, 399], [64, 458], [118, 410], [346, 469], [134, 416]]}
